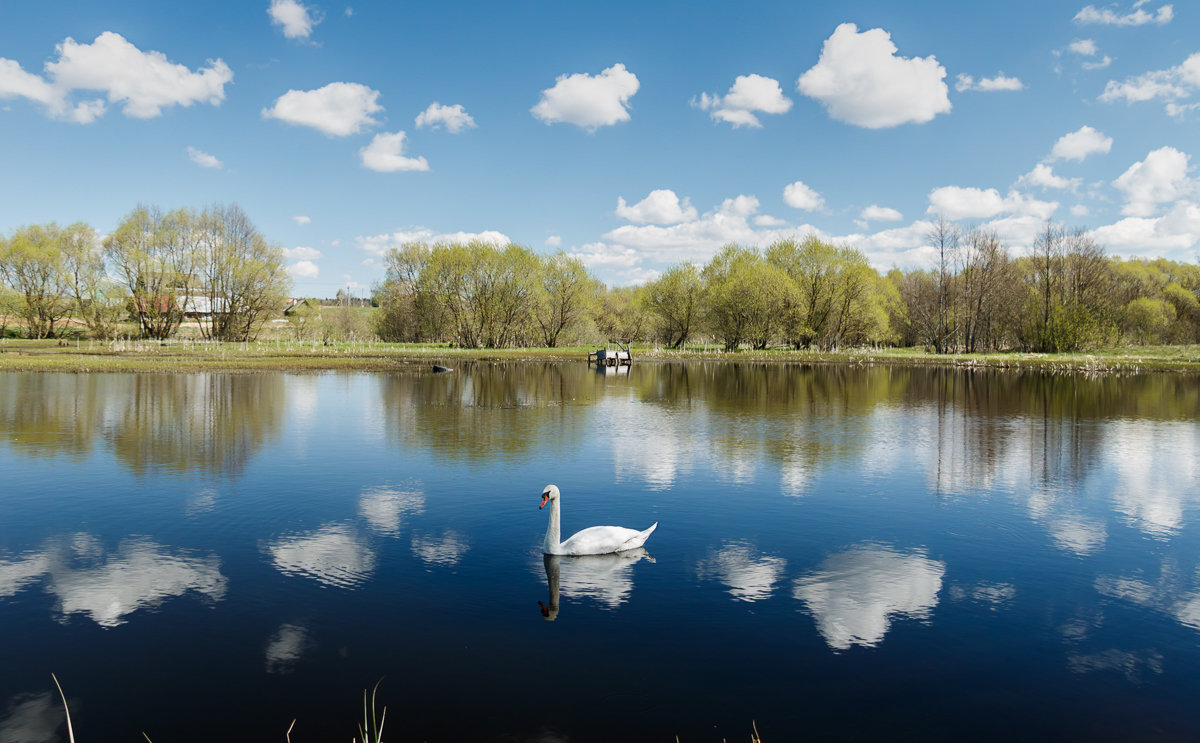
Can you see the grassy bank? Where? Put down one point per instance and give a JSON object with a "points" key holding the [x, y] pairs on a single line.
{"points": [[281, 355]]}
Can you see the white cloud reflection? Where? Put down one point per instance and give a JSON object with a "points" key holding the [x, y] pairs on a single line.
{"points": [[17, 574], [445, 551], [1133, 666], [1168, 595], [748, 574], [385, 508], [856, 593], [333, 555], [1156, 472], [657, 458], [31, 718], [994, 595], [1078, 534], [286, 647], [108, 587]]}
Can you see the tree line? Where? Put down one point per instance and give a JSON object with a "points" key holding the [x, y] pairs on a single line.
{"points": [[1065, 294], [158, 267], [153, 270]]}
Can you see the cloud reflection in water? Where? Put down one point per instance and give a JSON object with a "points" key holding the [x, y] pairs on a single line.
{"points": [[749, 574], [385, 508], [108, 587], [31, 718], [855, 594], [333, 555], [286, 647], [446, 551]]}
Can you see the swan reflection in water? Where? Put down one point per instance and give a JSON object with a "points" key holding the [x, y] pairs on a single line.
{"points": [[607, 579]]}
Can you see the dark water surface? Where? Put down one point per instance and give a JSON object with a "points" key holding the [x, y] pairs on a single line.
{"points": [[842, 554]]}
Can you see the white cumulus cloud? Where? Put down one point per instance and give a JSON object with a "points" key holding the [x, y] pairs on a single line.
{"points": [[624, 264], [701, 238], [988, 84], [799, 195], [385, 154], [662, 206], [379, 245], [296, 19], [301, 253], [1174, 234], [958, 202], [337, 109], [860, 80], [1135, 17], [588, 101], [749, 93], [1083, 47], [1162, 177], [553, 241], [304, 270], [454, 118], [1170, 85], [301, 219], [1043, 176], [202, 158], [875, 213], [142, 83], [1079, 144]]}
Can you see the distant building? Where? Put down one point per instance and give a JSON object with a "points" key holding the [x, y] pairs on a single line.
{"points": [[296, 303], [201, 306]]}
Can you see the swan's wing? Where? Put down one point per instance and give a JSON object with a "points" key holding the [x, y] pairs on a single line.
{"points": [[603, 540], [599, 540]]}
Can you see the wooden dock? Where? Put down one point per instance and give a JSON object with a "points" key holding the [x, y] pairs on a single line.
{"points": [[611, 357]]}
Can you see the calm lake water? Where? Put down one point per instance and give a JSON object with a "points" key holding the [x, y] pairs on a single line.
{"points": [[842, 554]]}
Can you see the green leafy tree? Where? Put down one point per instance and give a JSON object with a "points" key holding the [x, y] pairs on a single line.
{"points": [[567, 299], [1147, 320], [674, 300], [241, 275], [812, 264], [150, 252], [745, 297], [408, 310], [623, 314], [98, 299], [32, 263]]}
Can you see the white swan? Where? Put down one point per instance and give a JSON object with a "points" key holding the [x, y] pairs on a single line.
{"points": [[595, 540]]}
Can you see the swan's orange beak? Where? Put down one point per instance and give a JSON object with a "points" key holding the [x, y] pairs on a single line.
{"points": [[545, 497]]}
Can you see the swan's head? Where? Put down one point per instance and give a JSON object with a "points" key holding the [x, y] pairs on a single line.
{"points": [[549, 494]]}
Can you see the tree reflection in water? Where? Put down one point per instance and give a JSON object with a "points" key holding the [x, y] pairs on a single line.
{"points": [[184, 423]]}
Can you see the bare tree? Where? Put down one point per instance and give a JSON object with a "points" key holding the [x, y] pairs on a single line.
{"points": [[945, 237]]}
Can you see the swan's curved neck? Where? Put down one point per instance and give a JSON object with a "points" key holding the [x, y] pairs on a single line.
{"points": [[553, 531]]}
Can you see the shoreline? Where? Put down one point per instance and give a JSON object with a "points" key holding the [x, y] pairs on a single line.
{"points": [[184, 356]]}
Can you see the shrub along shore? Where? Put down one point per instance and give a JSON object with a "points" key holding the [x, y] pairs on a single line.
{"points": [[301, 356]]}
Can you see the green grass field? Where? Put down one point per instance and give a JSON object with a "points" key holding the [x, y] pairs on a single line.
{"points": [[186, 355]]}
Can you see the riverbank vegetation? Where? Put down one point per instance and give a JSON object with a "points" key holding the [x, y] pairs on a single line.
{"points": [[204, 289], [285, 354], [805, 295]]}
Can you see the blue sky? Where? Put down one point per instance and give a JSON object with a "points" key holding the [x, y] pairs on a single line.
{"points": [[635, 135]]}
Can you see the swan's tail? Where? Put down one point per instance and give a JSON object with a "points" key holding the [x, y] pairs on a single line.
{"points": [[638, 539]]}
